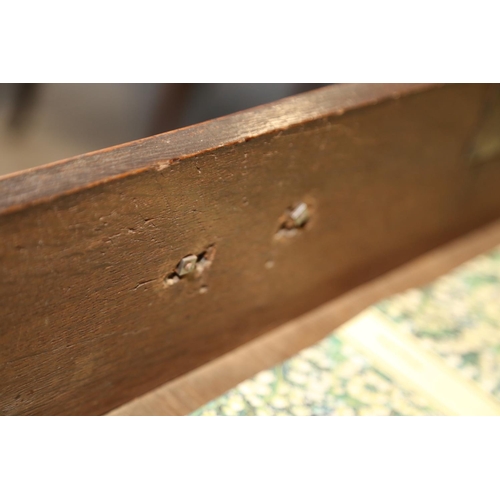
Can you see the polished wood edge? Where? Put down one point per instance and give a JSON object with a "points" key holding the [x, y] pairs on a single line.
{"points": [[187, 393]]}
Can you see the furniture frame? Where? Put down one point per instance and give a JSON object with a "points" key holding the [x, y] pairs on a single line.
{"points": [[95, 310]]}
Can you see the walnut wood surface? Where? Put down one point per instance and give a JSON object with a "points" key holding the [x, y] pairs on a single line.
{"points": [[87, 322]]}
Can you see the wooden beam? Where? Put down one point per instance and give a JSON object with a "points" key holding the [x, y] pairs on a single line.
{"points": [[89, 319]]}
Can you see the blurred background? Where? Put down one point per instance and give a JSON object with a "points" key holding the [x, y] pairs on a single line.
{"points": [[42, 123]]}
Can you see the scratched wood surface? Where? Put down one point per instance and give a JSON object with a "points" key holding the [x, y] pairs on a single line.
{"points": [[87, 319]]}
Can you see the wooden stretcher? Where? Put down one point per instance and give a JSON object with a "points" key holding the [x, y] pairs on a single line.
{"points": [[150, 277]]}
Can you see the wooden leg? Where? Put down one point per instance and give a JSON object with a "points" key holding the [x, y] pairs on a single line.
{"points": [[172, 102], [24, 102]]}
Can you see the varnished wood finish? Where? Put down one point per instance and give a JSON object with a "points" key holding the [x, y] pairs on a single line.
{"points": [[87, 322]]}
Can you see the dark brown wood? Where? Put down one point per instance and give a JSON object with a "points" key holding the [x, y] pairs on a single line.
{"points": [[25, 97], [189, 392], [87, 321], [172, 100]]}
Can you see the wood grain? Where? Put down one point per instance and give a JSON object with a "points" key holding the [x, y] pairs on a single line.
{"points": [[189, 392], [87, 321]]}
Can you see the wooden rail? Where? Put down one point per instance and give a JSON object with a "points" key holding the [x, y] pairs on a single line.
{"points": [[92, 309]]}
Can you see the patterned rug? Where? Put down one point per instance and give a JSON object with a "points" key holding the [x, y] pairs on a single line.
{"points": [[429, 351]]}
